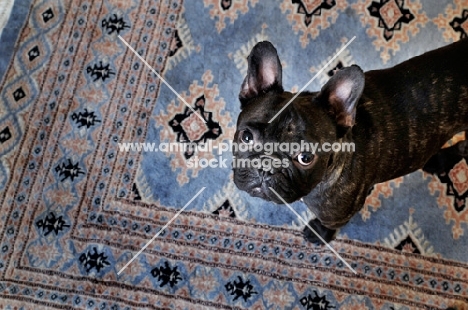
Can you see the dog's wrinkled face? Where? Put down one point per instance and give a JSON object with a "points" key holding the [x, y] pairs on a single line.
{"points": [[275, 154], [278, 163]]}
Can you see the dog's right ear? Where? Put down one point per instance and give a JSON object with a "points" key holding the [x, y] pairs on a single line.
{"points": [[341, 94], [263, 73]]}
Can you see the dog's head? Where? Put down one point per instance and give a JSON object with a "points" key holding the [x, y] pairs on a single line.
{"points": [[266, 152]]}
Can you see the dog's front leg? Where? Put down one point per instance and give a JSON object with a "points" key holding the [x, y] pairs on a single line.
{"points": [[327, 234]]}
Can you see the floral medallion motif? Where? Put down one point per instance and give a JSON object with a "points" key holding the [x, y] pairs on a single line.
{"points": [[391, 16], [189, 131], [451, 189], [459, 177], [310, 16], [391, 22]]}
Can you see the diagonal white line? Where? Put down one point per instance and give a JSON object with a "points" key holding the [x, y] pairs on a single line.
{"points": [[160, 77], [311, 80], [162, 229], [307, 224]]}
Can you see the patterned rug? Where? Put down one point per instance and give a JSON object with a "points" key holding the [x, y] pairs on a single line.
{"points": [[76, 207]]}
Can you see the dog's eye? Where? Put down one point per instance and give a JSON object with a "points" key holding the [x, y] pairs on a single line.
{"points": [[305, 158], [247, 137]]}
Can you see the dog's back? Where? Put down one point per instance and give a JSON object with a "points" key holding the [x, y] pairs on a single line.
{"points": [[415, 107]]}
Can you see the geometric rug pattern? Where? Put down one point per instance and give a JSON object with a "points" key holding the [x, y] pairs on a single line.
{"points": [[76, 206]]}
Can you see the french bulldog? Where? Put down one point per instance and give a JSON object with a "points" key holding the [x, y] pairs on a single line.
{"points": [[397, 118]]}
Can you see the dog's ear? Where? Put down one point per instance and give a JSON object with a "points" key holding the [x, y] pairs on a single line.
{"points": [[263, 73], [341, 95]]}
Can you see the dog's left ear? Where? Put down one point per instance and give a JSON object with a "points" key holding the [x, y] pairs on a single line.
{"points": [[264, 72], [341, 95]]}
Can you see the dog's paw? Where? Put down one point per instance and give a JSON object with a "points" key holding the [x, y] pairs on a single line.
{"points": [[326, 234]]}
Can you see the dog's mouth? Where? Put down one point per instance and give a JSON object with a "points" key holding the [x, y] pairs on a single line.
{"points": [[257, 183]]}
